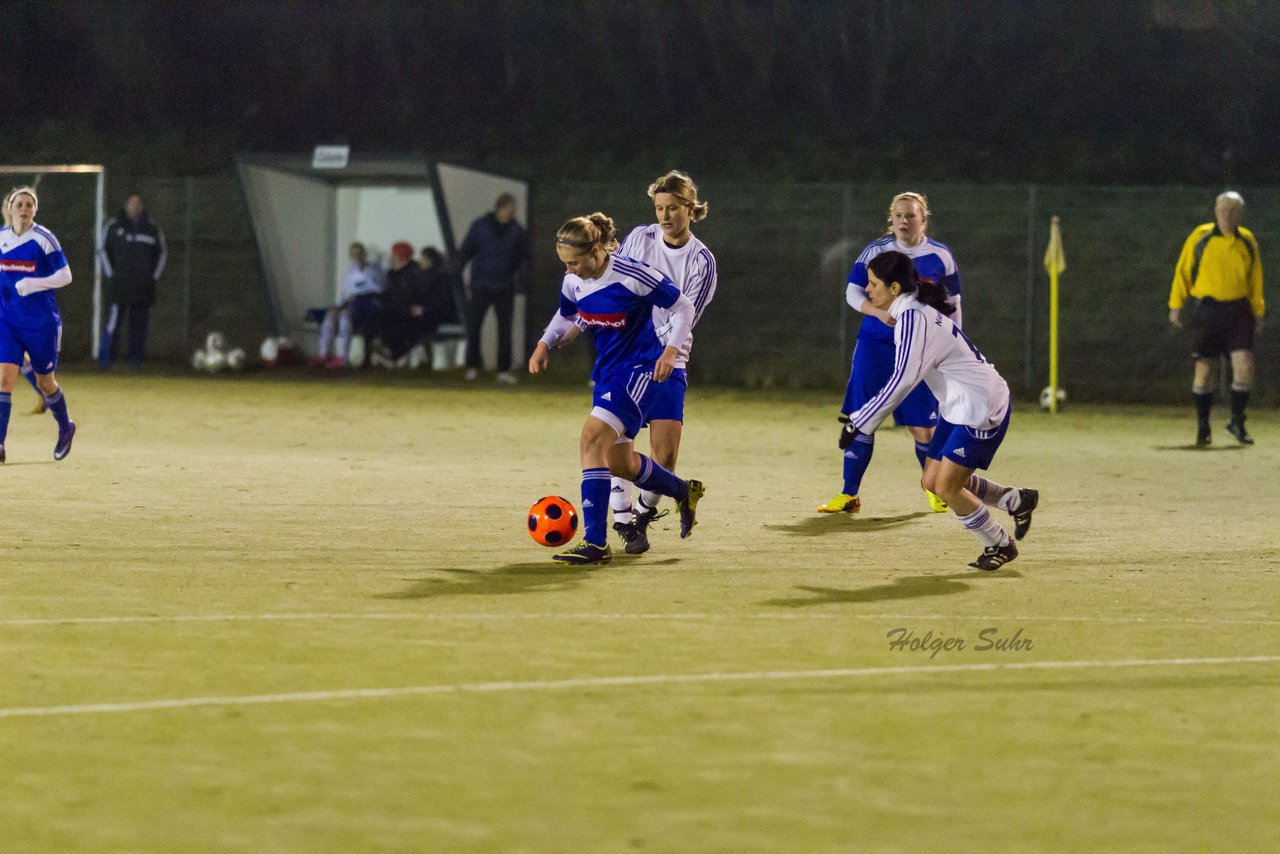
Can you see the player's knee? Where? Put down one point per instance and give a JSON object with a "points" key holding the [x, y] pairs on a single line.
{"points": [[47, 384], [1242, 369], [596, 445], [623, 468]]}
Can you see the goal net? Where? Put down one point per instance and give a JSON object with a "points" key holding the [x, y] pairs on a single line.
{"points": [[71, 206]]}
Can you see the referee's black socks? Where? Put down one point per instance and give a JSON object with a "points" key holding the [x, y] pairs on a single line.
{"points": [[1204, 403], [1239, 400]]}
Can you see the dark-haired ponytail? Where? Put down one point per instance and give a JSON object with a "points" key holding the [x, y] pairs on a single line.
{"points": [[894, 266], [934, 295]]}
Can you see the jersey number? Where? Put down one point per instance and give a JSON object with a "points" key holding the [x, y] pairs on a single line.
{"points": [[977, 354]]}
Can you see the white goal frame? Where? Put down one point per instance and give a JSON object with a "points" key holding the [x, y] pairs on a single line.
{"points": [[98, 220]]}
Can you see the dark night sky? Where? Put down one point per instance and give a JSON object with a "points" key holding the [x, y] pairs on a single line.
{"points": [[1149, 91]]}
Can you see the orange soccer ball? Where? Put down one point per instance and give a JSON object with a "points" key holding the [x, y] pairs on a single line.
{"points": [[552, 521]]}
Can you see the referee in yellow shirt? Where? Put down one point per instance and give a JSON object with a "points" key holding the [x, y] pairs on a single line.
{"points": [[1220, 267]]}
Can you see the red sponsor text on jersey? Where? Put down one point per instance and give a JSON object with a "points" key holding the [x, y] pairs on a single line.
{"points": [[612, 321], [11, 266]]}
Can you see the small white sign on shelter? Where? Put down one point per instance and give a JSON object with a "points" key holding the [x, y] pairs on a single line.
{"points": [[331, 157]]}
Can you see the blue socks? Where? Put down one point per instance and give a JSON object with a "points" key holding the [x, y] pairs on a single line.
{"points": [[6, 408], [856, 459], [655, 478], [595, 494], [58, 406], [922, 453], [595, 504]]}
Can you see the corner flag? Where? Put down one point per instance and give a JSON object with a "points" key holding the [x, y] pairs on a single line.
{"points": [[1055, 261]]}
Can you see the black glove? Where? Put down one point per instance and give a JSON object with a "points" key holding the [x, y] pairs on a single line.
{"points": [[847, 432]]}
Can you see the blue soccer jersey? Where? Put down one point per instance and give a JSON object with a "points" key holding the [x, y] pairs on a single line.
{"points": [[617, 306], [933, 261], [33, 254]]}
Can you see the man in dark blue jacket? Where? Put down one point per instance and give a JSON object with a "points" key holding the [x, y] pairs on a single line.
{"points": [[133, 257], [498, 249]]}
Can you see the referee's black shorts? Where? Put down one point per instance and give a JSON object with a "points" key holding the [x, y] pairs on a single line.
{"points": [[1220, 328]]}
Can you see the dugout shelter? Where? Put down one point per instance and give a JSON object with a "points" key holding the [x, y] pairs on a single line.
{"points": [[306, 212]]}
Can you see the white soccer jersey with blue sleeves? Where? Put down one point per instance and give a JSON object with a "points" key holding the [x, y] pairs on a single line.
{"points": [[930, 347], [692, 268], [360, 281]]}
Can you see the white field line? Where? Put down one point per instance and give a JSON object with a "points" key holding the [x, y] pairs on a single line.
{"points": [[606, 617], [610, 682]]}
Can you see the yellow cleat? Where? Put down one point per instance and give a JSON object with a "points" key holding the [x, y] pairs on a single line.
{"points": [[936, 504], [842, 504]]}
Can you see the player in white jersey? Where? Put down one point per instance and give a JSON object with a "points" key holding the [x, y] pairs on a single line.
{"points": [[32, 268], [874, 354], [973, 404], [614, 297], [670, 247]]}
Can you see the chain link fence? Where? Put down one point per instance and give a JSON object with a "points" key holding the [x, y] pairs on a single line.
{"points": [[212, 279], [784, 250], [779, 319]]}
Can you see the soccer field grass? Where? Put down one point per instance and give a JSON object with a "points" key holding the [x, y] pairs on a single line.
{"points": [[288, 614]]}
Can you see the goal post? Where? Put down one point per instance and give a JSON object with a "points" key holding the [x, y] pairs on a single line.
{"points": [[34, 175]]}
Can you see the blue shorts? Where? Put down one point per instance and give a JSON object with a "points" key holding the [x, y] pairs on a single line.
{"points": [[667, 403], [871, 370], [965, 446], [623, 397], [42, 343]]}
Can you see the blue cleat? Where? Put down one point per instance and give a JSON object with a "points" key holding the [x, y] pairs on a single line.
{"points": [[63, 447]]}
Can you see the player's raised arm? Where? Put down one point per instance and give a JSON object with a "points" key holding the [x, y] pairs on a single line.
{"points": [[855, 294]]}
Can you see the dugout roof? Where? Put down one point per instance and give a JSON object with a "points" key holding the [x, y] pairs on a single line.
{"points": [[305, 218]]}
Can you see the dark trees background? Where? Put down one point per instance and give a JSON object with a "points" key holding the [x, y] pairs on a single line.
{"points": [[1122, 91]]}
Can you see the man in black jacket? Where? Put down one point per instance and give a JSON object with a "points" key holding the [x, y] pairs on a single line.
{"points": [[498, 249], [133, 257]]}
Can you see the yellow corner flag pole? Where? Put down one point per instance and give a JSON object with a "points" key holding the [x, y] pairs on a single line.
{"points": [[1055, 261]]}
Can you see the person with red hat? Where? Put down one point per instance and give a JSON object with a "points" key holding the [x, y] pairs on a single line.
{"points": [[404, 300]]}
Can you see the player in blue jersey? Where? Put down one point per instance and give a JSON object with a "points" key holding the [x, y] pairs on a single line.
{"points": [[614, 297], [670, 247], [28, 373], [32, 267], [973, 405], [873, 355]]}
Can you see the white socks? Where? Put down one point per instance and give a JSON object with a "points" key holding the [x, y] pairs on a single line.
{"points": [[986, 529]]}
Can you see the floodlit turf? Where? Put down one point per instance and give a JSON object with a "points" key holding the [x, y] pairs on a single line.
{"points": [[192, 603]]}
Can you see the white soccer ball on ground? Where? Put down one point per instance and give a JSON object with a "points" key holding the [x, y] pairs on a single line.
{"points": [[1046, 397], [214, 361], [198, 360], [235, 359], [269, 352]]}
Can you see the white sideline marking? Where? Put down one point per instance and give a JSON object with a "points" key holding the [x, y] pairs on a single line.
{"points": [[428, 617], [606, 682]]}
